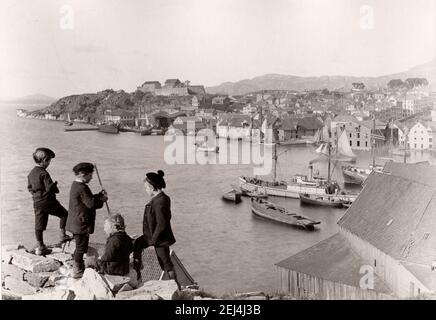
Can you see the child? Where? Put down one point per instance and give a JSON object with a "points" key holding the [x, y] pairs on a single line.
{"points": [[43, 191], [115, 259], [81, 213]]}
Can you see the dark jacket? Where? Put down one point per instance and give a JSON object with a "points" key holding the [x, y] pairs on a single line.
{"points": [[156, 224], [42, 187], [115, 259], [81, 210]]}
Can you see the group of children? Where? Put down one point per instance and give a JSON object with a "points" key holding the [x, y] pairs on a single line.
{"points": [[80, 219]]}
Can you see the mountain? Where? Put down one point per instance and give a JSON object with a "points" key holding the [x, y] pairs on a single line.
{"points": [[31, 99], [291, 82]]}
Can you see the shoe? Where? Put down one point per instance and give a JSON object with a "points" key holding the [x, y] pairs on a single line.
{"points": [[42, 251], [78, 270]]}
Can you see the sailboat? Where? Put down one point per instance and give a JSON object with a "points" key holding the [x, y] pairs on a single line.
{"points": [[68, 122], [203, 146], [357, 175]]}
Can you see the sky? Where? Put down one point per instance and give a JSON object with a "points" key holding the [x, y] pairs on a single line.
{"points": [[66, 47]]}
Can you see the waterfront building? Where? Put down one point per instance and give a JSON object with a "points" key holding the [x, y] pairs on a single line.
{"points": [[358, 133], [385, 247], [420, 136]]}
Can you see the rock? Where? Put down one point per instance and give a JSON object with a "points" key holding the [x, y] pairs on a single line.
{"points": [[19, 287], [126, 287], [51, 295], [52, 279], [116, 282], [9, 295], [249, 294], [6, 252], [166, 289], [61, 257], [143, 296], [13, 271], [37, 280], [33, 263], [91, 287], [254, 298]]}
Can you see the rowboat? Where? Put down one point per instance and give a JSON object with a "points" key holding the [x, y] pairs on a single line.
{"points": [[268, 210], [326, 200], [233, 196]]}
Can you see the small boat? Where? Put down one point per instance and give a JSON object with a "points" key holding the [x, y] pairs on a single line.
{"points": [[271, 211], [205, 148], [109, 128], [146, 132], [325, 200], [233, 196]]}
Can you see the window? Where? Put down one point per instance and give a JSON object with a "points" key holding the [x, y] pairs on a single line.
{"points": [[429, 139], [358, 143], [358, 135], [422, 146], [415, 145], [350, 136], [366, 143], [430, 146], [375, 262], [351, 143]]}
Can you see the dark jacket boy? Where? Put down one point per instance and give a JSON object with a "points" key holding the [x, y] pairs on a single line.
{"points": [[81, 210]]}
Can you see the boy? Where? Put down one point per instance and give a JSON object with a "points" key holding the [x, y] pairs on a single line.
{"points": [[43, 191], [115, 260], [81, 213]]}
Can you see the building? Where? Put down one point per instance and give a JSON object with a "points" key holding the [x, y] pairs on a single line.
{"points": [[420, 137], [385, 247], [234, 126], [150, 86], [358, 134]]}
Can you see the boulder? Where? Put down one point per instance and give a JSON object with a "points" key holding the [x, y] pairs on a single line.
{"points": [[37, 280], [52, 279], [166, 289], [6, 252], [9, 295], [116, 282], [33, 263], [13, 271], [18, 287], [51, 295], [91, 286]]}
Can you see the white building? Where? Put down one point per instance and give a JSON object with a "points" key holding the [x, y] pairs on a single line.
{"points": [[420, 137]]}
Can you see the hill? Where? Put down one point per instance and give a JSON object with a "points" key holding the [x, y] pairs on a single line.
{"points": [[291, 82]]}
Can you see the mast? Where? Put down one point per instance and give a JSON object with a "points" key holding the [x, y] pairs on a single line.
{"points": [[406, 146], [328, 170], [275, 162], [373, 142]]}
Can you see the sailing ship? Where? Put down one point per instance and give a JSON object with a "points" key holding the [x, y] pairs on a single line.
{"points": [[289, 189], [341, 151], [68, 122], [358, 175], [268, 210], [257, 193]]}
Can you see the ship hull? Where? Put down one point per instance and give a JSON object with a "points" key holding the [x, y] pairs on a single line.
{"points": [[353, 177]]}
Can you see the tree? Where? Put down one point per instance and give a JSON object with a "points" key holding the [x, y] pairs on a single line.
{"points": [[396, 84], [358, 85]]}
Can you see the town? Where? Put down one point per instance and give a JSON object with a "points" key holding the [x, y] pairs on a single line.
{"points": [[401, 115]]}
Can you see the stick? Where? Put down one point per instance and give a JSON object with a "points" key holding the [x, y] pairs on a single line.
{"points": [[101, 185]]}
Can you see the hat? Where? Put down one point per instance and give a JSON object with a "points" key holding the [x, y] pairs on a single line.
{"points": [[156, 179], [84, 167], [42, 154]]}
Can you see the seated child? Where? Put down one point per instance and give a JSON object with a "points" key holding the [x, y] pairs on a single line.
{"points": [[119, 246]]}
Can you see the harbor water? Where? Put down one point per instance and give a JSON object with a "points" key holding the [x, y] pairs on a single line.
{"points": [[224, 247]]}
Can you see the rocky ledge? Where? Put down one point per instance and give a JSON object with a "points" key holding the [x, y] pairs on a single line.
{"points": [[26, 276]]}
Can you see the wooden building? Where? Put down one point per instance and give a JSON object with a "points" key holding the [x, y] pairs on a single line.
{"points": [[389, 231]]}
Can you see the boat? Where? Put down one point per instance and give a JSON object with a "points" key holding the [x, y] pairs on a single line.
{"points": [[256, 193], [232, 195], [157, 132], [293, 142], [271, 211], [68, 122], [290, 189], [339, 152], [109, 128], [325, 200], [145, 132], [358, 175], [204, 147]]}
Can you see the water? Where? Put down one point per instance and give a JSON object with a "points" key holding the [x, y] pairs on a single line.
{"points": [[224, 247]]}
